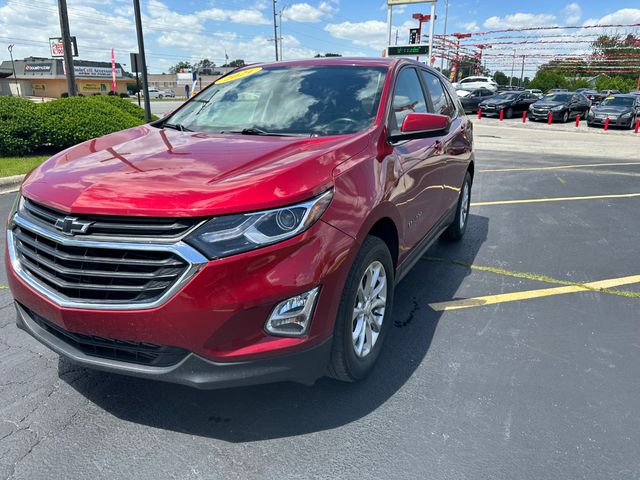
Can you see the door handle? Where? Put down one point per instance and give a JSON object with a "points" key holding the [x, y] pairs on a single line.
{"points": [[437, 146]]}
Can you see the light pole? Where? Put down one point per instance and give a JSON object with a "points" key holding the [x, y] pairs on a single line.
{"points": [[13, 66], [444, 34], [66, 44], [280, 21]]}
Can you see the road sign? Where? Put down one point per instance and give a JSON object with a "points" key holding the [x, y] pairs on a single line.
{"points": [[402, 50]]}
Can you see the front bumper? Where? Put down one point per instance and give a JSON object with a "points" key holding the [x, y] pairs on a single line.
{"points": [[193, 370], [218, 316], [613, 122]]}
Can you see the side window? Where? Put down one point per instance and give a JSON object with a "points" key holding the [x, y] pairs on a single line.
{"points": [[439, 98], [408, 97]]}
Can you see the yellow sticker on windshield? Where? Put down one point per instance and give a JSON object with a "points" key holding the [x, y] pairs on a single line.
{"points": [[610, 98], [237, 75]]}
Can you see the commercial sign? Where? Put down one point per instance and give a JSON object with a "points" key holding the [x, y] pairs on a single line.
{"points": [[82, 71], [93, 87], [57, 47], [399, 50], [37, 67]]}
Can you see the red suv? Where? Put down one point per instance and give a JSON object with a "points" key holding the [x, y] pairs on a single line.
{"points": [[255, 234]]}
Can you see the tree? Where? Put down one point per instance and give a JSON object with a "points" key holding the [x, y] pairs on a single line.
{"points": [[500, 78], [180, 66], [235, 63], [546, 80], [318, 55], [205, 66]]}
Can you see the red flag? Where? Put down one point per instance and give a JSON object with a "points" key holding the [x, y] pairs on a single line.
{"points": [[113, 71]]}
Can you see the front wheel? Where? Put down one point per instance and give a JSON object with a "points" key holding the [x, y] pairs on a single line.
{"points": [[565, 117], [456, 230], [509, 113], [364, 313]]}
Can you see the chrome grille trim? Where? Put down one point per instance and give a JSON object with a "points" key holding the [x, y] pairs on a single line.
{"points": [[194, 261]]}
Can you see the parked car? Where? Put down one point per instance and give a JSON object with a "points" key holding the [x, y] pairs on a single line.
{"points": [[562, 106], [153, 93], [622, 111], [558, 90], [535, 91], [510, 88], [509, 102], [168, 94], [473, 83], [593, 95], [245, 239], [471, 99]]}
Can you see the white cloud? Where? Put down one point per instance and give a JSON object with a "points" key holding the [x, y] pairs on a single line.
{"points": [[623, 16], [471, 27], [520, 20], [305, 13], [573, 13], [371, 33]]}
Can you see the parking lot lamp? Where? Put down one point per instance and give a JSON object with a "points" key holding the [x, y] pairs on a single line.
{"points": [[13, 66]]}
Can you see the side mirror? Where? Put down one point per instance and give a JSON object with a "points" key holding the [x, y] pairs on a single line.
{"points": [[422, 125]]}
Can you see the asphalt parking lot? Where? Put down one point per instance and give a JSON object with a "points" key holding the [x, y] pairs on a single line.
{"points": [[507, 361]]}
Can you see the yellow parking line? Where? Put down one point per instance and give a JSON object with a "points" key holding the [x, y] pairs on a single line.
{"points": [[3, 286], [557, 199], [526, 295], [558, 167]]}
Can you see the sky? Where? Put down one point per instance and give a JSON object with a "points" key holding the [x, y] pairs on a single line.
{"points": [[190, 30]]}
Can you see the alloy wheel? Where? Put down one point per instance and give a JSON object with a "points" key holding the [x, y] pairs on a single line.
{"points": [[369, 308], [464, 207]]}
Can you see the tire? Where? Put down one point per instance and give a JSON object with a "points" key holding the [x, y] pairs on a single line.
{"points": [[509, 113], [565, 117], [456, 230], [345, 363]]}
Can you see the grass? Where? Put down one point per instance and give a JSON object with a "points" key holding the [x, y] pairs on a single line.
{"points": [[10, 166]]}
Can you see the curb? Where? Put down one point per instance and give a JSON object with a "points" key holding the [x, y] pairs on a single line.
{"points": [[10, 184]]}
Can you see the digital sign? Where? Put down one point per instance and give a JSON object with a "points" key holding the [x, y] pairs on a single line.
{"points": [[398, 50]]}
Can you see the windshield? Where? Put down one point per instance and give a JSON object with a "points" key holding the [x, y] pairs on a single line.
{"points": [[506, 96], [558, 97], [325, 100], [617, 102]]}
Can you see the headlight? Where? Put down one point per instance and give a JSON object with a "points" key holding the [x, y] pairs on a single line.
{"points": [[231, 234], [558, 108], [626, 115]]}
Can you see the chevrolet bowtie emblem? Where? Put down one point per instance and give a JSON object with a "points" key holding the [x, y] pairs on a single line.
{"points": [[72, 225]]}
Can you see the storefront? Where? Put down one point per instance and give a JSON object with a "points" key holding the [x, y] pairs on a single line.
{"points": [[43, 77]]}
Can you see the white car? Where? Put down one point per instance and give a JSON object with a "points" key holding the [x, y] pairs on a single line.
{"points": [[534, 91], [153, 93], [473, 83]]}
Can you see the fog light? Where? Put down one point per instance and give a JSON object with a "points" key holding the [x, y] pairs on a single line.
{"points": [[291, 317]]}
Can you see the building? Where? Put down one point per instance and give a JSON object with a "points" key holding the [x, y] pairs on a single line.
{"points": [[45, 77], [177, 82]]}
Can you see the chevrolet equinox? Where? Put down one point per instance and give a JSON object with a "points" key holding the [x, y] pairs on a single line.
{"points": [[255, 234]]}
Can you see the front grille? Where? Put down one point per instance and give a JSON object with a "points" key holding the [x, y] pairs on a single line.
{"points": [[157, 228], [141, 353], [97, 275]]}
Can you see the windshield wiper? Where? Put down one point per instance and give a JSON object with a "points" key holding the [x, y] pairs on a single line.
{"points": [[259, 131], [176, 126]]}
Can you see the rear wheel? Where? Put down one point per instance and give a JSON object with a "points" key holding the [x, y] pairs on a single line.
{"points": [[456, 230], [364, 313]]}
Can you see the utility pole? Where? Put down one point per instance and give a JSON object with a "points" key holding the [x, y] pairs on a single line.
{"points": [[522, 73], [513, 66], [143, 61], [280, 37], [444, 34], [66, 44], [13, 66], [275, 28], [431, 25]]}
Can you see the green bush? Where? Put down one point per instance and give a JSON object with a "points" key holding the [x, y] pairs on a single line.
{"points": [[20, 127], [122, 104], [69, 121]]}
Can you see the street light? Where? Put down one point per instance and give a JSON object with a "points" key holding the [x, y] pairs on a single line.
{"points": [[13, 66]]}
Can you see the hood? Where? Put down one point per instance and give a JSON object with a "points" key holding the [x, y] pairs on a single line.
{"points": [[155, 172], [547, 104], [613, 109]]}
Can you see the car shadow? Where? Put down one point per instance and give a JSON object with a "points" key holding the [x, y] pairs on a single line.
{"points": [[286, 409]]}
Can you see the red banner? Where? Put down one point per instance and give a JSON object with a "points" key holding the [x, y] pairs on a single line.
{"points": [[113, 71]]}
